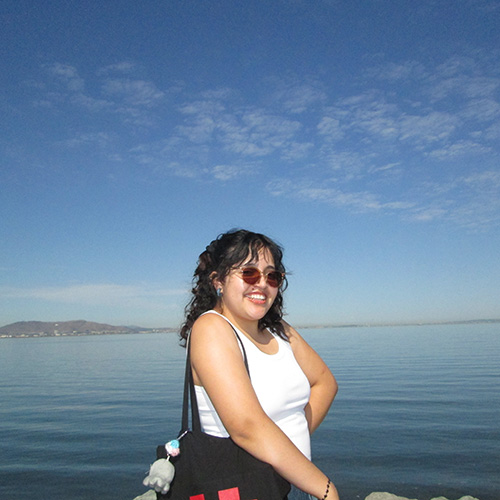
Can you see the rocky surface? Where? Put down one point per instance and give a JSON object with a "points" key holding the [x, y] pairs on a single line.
{"points": [[378, 495], [149, 495]]}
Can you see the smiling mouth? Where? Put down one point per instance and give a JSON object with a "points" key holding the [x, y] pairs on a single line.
{"points": [[257, 297]]}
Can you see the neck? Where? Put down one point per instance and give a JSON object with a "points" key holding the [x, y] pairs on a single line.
{"points": [[248, 327]]}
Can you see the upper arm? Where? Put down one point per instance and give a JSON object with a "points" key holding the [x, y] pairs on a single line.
{"points": [[218, 366], [315, 369]]}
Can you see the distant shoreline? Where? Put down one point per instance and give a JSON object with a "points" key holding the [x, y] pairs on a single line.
{"points": [[390, 324], [39, 335], [108, 330], [75, 328]]}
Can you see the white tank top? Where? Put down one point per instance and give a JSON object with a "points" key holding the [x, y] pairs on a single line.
{"points": [[281, 387]]}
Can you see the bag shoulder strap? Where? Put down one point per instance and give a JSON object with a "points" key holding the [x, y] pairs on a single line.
{"points": [[190, 392]]}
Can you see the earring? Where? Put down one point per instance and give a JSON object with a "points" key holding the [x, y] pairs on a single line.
{"points": [[219, 292]]}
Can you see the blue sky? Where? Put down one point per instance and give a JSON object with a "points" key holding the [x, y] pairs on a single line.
{"points": [[361, 135]]}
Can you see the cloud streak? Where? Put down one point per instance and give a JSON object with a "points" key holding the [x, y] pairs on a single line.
{"points": [[92, 294], [413, 125]]}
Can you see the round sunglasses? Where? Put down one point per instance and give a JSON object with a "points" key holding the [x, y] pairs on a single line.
{"points": [[252, 275]]}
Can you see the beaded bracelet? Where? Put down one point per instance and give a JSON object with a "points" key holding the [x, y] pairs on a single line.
{"points": [[327, 488]]}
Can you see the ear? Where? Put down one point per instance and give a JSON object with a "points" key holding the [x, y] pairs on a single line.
{"points": [[215, 280]]}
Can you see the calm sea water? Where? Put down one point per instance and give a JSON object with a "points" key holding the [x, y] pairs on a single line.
{"points": [[417, 413]]}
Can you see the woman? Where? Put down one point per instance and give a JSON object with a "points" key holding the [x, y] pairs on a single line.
{"points": [[271, 413]]}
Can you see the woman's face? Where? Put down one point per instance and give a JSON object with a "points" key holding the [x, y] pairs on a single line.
{"points": [[242, 302]]}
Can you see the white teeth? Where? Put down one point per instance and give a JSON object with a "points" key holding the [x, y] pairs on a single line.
{"points": [[257, 296]]}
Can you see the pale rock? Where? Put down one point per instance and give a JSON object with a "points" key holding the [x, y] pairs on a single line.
{"points": [[149, 495], [379, 495], [382, 495]]}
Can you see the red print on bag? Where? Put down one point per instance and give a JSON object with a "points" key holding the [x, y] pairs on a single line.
{"points": [[230, 494]]}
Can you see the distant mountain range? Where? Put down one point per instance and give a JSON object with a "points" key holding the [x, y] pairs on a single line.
{"points": [[64, 328], [82, 327]]}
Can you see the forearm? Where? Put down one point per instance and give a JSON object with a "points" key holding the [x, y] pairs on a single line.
{"points": [[320, 400], [268, 443]]}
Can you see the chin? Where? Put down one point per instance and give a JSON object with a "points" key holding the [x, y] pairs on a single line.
{"points": [[259, 312]]}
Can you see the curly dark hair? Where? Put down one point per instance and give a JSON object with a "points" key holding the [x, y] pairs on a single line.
{"points": [[227, 251]]}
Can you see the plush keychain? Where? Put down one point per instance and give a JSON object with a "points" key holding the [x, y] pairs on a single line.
{"points": [[162, 471]]}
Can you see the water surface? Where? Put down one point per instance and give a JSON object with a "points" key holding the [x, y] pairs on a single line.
{"points": [[416, 414]]}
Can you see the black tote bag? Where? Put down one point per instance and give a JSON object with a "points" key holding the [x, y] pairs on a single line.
{"points": [[215, 468]]}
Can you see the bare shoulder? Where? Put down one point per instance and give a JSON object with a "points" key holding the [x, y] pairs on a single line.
{"points": [[209, 320], [213, 330], [292, 334], [214, 345]]}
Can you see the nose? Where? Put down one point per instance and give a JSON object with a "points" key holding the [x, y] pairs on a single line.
{"points": [[262, 281], [262, 278]]}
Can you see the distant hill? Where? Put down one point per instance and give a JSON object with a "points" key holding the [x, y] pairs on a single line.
{"points": [[49, 329]]}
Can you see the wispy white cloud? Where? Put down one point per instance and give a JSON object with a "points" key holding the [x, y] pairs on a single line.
{"points": [[219, 133], [330, 128], [243, 130], [123, 67], [469, 87], [374, 116], [492, 133], [92, 104], [471, 200], [412, 124], [171, 156], [200, 128], [427, 129], [297, 151], [228, 172], [487, 182], [481, 110], [95, 139], [257, 133], [67, 75], [428, 214], [367, 113], [458, 149], [388, 167], [358, 201], [297, 97], [92, 294], [117, 92], [398, 72], [345, 165], [137, 93]]}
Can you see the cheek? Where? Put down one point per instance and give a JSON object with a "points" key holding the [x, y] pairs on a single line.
{"points": [[273, 294], [234, 287]]}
